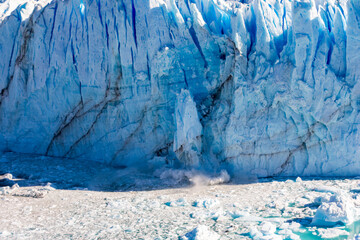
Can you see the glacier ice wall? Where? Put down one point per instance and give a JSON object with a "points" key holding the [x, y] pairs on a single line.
{"points": [[262, 87]]}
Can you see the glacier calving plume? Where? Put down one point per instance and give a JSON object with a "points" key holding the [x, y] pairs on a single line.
{"points": [[262, 87]]}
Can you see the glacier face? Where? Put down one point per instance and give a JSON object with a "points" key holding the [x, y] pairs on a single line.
{"points": [[262, 87]]}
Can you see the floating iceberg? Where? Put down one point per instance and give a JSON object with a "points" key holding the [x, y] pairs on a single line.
{"points": [[340, 209]]}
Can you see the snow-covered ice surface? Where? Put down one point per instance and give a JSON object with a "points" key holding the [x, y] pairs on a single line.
{"points": [[61, 199], [258, 88]]}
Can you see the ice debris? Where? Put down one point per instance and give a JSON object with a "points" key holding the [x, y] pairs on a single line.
{"points": [[331, 232], [181, 202], [8, 190], [201, 233], [266, 230], [340, 209], [207, 203], [6, 180]]}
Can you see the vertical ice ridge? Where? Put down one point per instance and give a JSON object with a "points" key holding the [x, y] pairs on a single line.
{"points": [[187, 139]]}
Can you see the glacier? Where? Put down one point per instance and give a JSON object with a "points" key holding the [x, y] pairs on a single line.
{"points": [[258, 88]]}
